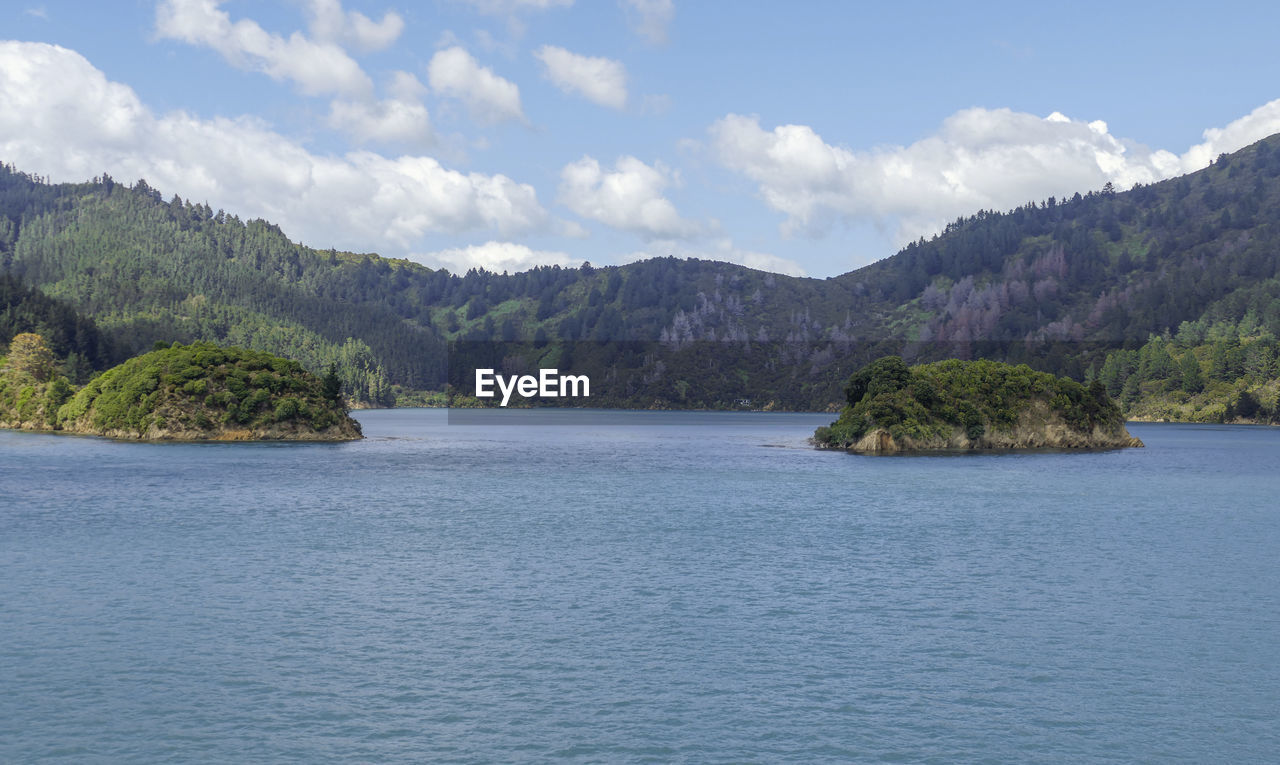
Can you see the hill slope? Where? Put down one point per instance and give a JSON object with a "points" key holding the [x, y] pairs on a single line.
{"points": [[1058, 284]]}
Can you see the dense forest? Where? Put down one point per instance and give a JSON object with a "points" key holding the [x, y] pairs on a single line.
{"points": [[1059, 284], [72, 337]]}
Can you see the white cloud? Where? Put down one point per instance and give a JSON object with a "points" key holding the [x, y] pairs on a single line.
{"points": [[400, 119], [317, 68], [61, 117], [599, 80], [1254, 126], [978, 159], [722, 249], [650, 18], [629, 198], [493, 256], [329, 23], [454, 73], [317, 65]]}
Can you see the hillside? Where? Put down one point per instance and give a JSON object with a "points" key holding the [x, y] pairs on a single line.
{"points": [[1107, 268], [965, 406], [71, 337], [1057, 284], [147, 270]]}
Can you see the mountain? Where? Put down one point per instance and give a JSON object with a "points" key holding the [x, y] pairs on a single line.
{"points": [[1058, 284], [1106, 267]]}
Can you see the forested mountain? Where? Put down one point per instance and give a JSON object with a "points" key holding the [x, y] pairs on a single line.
{"points": [[1058, 283], [72, 337], [1110, 267], [152, 271]]}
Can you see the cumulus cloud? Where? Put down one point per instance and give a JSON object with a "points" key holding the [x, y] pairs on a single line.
{"points": [[1257, 124], [329, 23], [490, 99], [493, 256], [401, 119], [599, 80], [629, 198], [978, 159], [650, 18], [61, 117], [722, 249], [316, 67]]}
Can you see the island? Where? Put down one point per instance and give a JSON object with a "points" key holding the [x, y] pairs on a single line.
{"points": [[197, 392], [959, 406]]}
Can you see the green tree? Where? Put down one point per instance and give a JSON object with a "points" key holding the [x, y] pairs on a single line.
{"points": [[884, 375], [1246, 406], [1155, 363], [1131, 391], [331, 384], [1192, 376], [1219, 362]]}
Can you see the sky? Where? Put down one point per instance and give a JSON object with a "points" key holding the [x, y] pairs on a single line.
{"points": [[809, 138]]}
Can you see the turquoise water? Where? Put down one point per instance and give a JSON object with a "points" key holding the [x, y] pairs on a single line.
{"points": [[663, 587]]}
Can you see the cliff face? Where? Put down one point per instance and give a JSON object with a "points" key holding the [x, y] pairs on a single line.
{"points": [[966, 406]]}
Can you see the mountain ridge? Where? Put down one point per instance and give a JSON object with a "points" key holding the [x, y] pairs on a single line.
{"points": [[1057, 283]]}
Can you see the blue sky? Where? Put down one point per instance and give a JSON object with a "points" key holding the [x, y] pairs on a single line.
{"points": [[807, 137]]}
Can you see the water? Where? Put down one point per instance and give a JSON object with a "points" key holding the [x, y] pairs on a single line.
{"points": [[669, 587]]}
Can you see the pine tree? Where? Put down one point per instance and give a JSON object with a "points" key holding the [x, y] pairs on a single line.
{"points": [[332, 384], [1192, 377]]}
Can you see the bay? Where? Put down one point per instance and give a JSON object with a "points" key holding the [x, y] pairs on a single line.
{"points": [[637, 587]]}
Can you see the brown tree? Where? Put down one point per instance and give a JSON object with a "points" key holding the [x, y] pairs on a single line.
{"points": [[29, 354]]}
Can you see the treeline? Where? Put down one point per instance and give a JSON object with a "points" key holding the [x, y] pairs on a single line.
{"points": [[1104, 266], [1046, 283], [154, 271], [76, 340], [1222, 372]]}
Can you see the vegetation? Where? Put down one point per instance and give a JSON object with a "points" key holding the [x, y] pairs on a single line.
{"points": [[31, 390], [1225, 372], [1059, 285], [950, 403], [197, 391], [71, 337]]}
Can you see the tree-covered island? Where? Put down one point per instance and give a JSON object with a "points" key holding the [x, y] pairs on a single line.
{"points": [[197, 392], [971, 405]]}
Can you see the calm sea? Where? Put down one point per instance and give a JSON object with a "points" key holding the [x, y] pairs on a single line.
{"points": [[637, 587]]}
